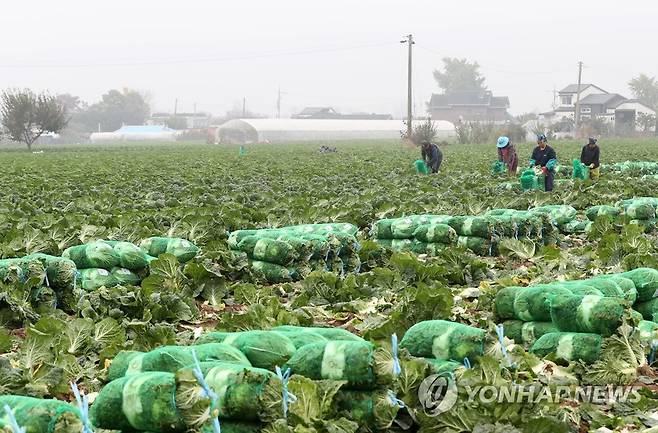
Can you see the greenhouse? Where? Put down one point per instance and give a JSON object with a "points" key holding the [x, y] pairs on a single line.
{"points": [[158, 133], [286, 130]]}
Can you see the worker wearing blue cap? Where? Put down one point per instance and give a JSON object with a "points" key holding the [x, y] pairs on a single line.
{"points": [[507, 154], [545, 158]]}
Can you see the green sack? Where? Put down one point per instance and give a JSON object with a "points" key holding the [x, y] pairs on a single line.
{"points": [[613, 286], [183, 249], [534, 303], [356, 362], [569, 346], [421, 167], [648, 331], [435, 233], [442, 367], [587, 314], [646, 282], [172, 358], [576, 227], [130, 255], [125, 277], [26, 269], [92, 255], [92, 279], [143, 402], [41, 415], [325, 228], [648, 309], [263, 349], [381, 229], [228, 426], [498, 167], [481, 227], [243, 394], [60, 271], [610, 212], [367, 408], [527, 333], [480, 246], [441, 339], [504, 302], [274, 251], [328, 333], [641, 211], [580, 171], [272, 272], [559, 214]]}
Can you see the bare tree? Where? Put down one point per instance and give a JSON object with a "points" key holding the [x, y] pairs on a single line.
{"points": [[27, 115]]}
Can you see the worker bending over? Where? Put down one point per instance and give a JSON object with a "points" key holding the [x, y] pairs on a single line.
{"points": [[507, 154], [590, 157], [544, 156], [432, 156]]}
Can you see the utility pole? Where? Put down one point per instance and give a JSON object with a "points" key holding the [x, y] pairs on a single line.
{"points": [[278, 104], [194, 117], [175, 106], [577, 113], [409, 40], [244, 107], [554, 97]]}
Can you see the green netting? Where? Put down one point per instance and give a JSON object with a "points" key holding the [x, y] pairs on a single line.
{"points": [[575, 227], [381, 229], [614, 286], [304, 338], [442, 366], [498, 167], [648, 331], [421, 167], [648, 309], [92, 279], [435, 233], [648, 225], [264, 349], [481, 227], [580, 170], [645, 281], [40, 415], [272, 272], [145, 402], [648, 167], [479, 246], [529, 180], [441, 339], [172, 358], [183, 249], [403, 228], [587, 314], [594, 212], [325, 228], [25, 268], [640, 211], [356, 362], [236, 427], [367, 408], [243, 394], [569, 346], [130, 255], [504, 302], [527, 333], [533, 304], [126, 277], [274, 251], [328, 333], [237, 236], [560, 214], [92, 255], [60, 271]]}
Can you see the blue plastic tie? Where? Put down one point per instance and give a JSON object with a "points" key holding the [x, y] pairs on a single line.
{"points": [[83, 405], [467, 363], [397, 369], [395, 401], [206, 391], [287, 396], [500, 331], [12, 421], [652, 354]]}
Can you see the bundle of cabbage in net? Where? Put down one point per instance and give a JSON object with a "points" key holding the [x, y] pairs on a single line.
{"points": [[290, 253], [636, 168], [569, 346], [559, 215], [444, 341], [36, 415], [640, 210], [530, 180], [518, 224]]}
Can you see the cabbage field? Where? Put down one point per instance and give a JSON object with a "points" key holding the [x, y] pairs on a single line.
{"points": [[143, 341]]}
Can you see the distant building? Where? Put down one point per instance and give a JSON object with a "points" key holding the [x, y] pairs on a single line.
{"points": [[330, 113], [191, 120], [596, 103], [480, 106]]}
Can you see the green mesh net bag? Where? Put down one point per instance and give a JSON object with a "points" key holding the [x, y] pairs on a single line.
{"points": [[183, 249], [614, 286], [272, 272], [172, 358], [92, 255], [25, 268], [480, 246], [498, 167], [328, 333], [357, 362], [648, 331], [60, 271], [403, 228], [441, 339], [92, 279], [607, 211], [504, 302], [533, 304], [130, 255], [569, 346], [587, 314], [576, 227], [382, 229], [374, 409], [648, 309], [421, 167], [529, 180], [559, 214], [263, 349], [41, 416], [243, 394], [640, 211], [229, 426], [580, 171], [527, 333], [303, 338], [274, 251], [481, 227], [645, 281], [435, 233], [126, 277], [442, 366], [143, 402], [324, 228]]}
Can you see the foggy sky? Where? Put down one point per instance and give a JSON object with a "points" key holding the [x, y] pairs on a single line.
{"points": [[343, 53]]}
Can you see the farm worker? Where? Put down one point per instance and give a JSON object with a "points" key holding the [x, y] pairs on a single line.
{"points": [[432, 156], [590, 157], [507, 153], [544, 156]]}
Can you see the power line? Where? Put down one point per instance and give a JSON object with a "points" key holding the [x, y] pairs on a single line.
{"points": [[198, 60]]}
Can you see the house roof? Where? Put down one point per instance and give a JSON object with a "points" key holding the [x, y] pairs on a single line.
{"points": [[573, 88], [601, 99], [309, 111], [143, 129], [469, 98]]}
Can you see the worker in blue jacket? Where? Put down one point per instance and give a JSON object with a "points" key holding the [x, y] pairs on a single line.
{"points": [[544, 156]]}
